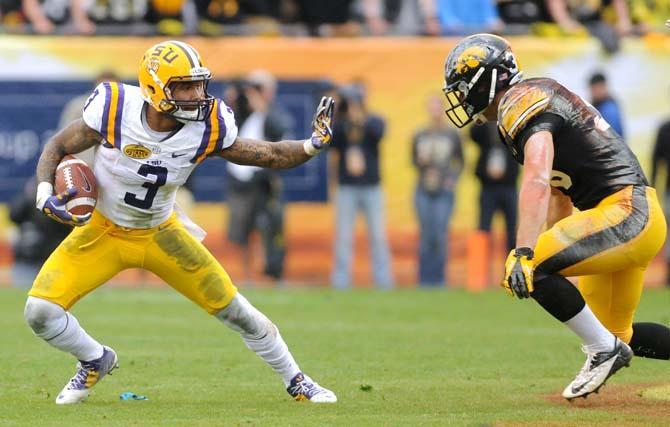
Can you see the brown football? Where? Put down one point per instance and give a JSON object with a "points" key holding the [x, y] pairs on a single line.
{"points": [[75, 173]]}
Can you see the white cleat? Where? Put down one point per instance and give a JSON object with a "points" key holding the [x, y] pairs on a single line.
{"points": [[303, 387], [88, 374], [597, 369]]}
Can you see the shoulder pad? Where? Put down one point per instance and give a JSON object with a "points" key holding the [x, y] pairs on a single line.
{"points": [[519, 105]]}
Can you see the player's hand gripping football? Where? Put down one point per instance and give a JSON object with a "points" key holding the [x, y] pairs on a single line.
{"points": [[322, 131], [53, 206], [519, 272]]}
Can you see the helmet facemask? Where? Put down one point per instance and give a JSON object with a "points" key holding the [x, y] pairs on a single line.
{"points": [[186, 111], [467, 100]]}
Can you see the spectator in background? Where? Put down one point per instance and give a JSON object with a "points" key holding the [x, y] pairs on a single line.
{"points": [[357, 134], [12, 18], [326, 18], [572, 16], [438, 156], [37, 236], [259, 16], [399, 17], [460, 17], [605, 103], [253, 193], [661, 157], [497, 172], [45, 15], [117, 12], [73, 110], [167, 15]]}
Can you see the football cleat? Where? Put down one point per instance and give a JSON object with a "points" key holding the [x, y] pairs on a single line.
{"points": [[597, 369], [88, 374], [303, 387]]}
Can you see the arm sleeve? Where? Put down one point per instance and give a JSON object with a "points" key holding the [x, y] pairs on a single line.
{"points": [[226, 115], [544, 122], [94, 108]]}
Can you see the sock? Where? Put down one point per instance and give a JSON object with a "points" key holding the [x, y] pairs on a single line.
{"points": [[61, 329], [274, 351], [594, 335], [261, 336], [651, 340], [562, 300]]}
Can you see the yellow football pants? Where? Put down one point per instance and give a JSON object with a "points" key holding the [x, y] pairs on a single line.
{"points": [[609, 247], [96, 252]]}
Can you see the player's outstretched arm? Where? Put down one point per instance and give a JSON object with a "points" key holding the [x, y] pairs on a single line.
{"points": [[73, 139], [285, 154], [275, 155]]}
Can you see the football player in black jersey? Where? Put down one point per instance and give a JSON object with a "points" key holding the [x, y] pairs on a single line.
{"points": [[571, 157]]}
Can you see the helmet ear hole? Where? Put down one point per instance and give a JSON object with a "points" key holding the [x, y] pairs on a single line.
{"points": [[151, 89]]}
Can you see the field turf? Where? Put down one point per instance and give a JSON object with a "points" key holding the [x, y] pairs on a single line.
{"points": [[404, 358]]}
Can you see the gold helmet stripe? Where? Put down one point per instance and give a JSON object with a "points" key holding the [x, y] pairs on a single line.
{"points": [[190, 53]]}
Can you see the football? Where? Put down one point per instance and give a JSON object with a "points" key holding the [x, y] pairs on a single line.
{"points": [[75, 173]]}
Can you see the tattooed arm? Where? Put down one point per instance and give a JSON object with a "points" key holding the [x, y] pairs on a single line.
{"points": [[285, 154], [73, 139], [275, 155]]}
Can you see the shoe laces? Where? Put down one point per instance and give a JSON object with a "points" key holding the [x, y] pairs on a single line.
{"points": [[306, 388], [592, 361], [78, 382]]}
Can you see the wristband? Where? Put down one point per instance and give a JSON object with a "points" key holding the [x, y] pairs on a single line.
{"points": [[309, 148], [44, 191]]}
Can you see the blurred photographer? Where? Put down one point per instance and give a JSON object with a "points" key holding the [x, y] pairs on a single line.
{"points": [[254, 194], [357, 134]]}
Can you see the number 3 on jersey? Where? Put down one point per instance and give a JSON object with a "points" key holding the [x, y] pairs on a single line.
{"points": [[160, 173]]}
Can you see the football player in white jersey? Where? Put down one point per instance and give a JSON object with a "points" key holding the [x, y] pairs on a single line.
{"points": [[149, 139]]}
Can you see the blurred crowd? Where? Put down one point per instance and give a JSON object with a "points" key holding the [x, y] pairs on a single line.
{"points": [[606, 19]]}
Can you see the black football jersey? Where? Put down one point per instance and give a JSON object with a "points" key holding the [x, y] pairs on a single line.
{"points": [[590, 160]]}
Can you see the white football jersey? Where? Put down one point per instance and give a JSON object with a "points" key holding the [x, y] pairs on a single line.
{"points": [[137, 174]]}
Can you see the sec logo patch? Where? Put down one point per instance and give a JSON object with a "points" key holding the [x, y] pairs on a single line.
{"points": [[136, 151]]}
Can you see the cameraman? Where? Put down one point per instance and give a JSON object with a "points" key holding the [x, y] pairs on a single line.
{"points": [[254, 194], [356, 138]]}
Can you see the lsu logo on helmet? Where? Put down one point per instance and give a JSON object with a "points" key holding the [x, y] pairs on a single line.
{"points": [[167, 63]]}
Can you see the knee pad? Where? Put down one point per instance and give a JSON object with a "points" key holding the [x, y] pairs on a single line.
{"points": [[244, 318], [557, 296], [45, 318]]}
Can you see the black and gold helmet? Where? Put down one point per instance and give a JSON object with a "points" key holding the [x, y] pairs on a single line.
{"points": [[477, 68]]}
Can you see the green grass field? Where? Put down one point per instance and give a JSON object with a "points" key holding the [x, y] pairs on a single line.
{"points": [[394, 358]]}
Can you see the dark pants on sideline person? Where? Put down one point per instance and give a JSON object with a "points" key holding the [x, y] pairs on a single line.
{"points": [[494, 198], [434, 211]]}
